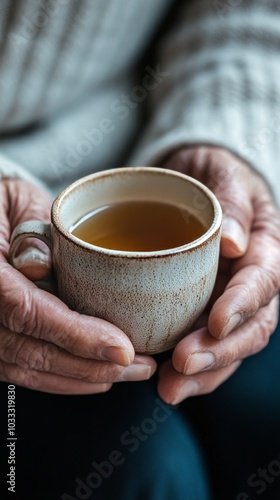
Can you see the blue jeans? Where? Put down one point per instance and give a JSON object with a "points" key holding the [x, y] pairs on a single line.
{"points": [[128, 445]]}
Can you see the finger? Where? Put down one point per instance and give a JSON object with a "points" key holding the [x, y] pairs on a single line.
{"points": [[33, 260], [232, 181], [255, 281], [199, 351], [25, 309], [34, 354], [26, 202], [234, 184], [46, 382], [246, 202], [173, 387], [33, 312]]}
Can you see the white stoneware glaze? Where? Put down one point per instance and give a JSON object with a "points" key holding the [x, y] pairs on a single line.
{"points": [[154, 297]]}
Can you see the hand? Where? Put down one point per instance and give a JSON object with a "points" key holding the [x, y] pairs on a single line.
{"points": [[43, 344], [243, 311]]}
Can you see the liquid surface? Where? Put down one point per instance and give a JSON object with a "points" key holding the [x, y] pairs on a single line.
{"points": [[139, 226]]}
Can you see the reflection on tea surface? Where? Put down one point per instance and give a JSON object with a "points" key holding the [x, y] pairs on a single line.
{"points": [[139, 226]]}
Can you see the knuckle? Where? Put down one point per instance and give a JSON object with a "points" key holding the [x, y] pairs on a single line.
{"points": [[50, 352], [31, 356], [20, 376], [263, 337], [89, 371], [259, 290], [248, 298], [77, 337], [18, 315], [224, 167], [264, 285], [9, 347], [272, 283], [101, 372], [267, 325], [229, 356], [235, 202], [23, 377], [29, 378], [7, 371], [250, 293]]}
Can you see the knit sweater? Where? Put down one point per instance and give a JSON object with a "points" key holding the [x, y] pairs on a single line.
{"points": [[77, 96]]}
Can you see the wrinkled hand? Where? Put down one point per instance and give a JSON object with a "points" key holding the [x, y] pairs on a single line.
{"points": [[43, 344], [244, 308]]}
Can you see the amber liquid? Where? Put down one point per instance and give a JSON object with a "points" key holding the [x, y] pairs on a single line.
{"points": [[139, 226]]}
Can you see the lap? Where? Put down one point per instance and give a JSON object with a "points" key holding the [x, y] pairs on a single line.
{"points": [[239, 425], [125, 444]]}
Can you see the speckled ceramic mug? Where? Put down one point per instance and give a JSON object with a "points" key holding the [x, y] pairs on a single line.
{"points": [[154, 297]]}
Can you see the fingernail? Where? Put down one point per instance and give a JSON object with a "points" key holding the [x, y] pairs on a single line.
{"points": [[234, 322], [189, 388], [32, 256], [198, 361], [116, 355], [136, 372], [231, 230]]}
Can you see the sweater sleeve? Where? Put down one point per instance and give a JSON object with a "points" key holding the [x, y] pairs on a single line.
{"points": [[220, 85], [10, 169]]}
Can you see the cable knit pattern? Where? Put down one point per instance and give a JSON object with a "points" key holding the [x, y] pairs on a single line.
{"points": [[71, 99]]}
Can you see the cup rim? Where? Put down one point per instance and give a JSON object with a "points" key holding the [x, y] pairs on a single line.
{"points": [[188, 247]]}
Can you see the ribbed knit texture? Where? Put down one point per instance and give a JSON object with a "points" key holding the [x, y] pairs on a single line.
{"points": [[71, 97]]}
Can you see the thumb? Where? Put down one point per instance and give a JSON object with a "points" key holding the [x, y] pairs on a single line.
{"points": [[233, 182], [235, 237], [34, 261], [33, 258], [235, 194]]}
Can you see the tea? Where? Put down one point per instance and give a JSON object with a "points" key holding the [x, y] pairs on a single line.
{"points": [[139, 226]]}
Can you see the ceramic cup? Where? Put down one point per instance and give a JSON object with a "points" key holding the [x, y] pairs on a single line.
{"points": [[154, 297]]}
